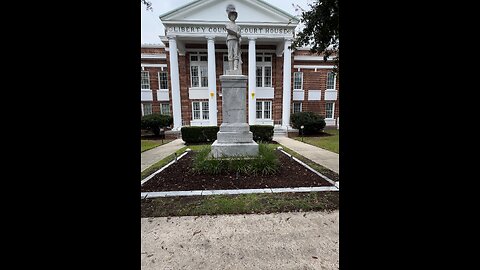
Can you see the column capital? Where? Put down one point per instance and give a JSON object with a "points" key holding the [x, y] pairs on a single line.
{"points": [[210, 38], [252, 38], [172, 38], [288, 39]]}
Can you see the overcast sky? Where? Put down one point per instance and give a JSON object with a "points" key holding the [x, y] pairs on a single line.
{"points": [[152, 26]]}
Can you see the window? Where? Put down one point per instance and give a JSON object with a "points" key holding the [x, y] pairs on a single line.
{"points": [[329, 110], [200, 110], [163, 80], [145, 80], [165, 108], [225, 64], [264, 71], [297, 107], [331, 81], [298, 80], [146, 108], [264, 110], [199, 70]]}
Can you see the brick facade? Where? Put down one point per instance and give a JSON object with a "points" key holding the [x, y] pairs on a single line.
{"points": [[312, 79]]}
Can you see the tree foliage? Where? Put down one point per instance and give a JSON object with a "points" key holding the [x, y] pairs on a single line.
{"points": [[321, 30], [148, 4]]}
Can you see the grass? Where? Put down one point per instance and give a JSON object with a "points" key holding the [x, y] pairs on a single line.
{"points": [[149, 144], [319, 168], [240, 204], [265, 163], [329, 143], [156, 166]]}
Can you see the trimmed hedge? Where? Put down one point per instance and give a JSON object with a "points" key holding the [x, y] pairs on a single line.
{"points": [[312, 122], [262, 133], [199, 134], [154, 122]]}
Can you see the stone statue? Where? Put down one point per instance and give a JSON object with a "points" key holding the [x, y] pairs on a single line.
{"points": [[233, 41]]}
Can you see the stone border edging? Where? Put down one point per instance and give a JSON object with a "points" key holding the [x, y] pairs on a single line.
{"points": [[163, 168], [310, 168], [159, 194]]}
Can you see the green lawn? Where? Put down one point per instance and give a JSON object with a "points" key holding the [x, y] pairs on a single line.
{"points": [[149, 144], [329, 143], [155, 167], [239, 204]]}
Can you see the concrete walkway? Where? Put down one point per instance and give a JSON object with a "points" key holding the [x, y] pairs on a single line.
{"points": [[258, 241], [156, 154], [318, 155]]}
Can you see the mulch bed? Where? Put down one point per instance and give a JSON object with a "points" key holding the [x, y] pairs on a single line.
{"points": [[179, 176]]}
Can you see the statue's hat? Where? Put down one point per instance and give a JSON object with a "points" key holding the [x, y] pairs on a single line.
{"points": [[231, 9]]}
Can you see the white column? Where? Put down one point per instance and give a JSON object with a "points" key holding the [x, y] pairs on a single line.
{"points": [[252, 64], [212, 81], [287, 77], [175, 82]]}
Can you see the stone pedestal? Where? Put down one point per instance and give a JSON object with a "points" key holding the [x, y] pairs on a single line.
{"points": [[234, 137]]}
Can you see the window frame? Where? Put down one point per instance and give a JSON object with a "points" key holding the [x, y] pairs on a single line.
{"points": [[148, 80], [201, 111], [201, 66], [143, 108], [301, 106], [263, 109], [262, 64], [333, 110], [162, 104], [160, 80], [301, 80], [334, 81]]}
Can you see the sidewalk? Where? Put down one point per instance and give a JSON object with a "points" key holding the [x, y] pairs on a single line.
{"points": [[156, 154], [297, 240], [318, 155]]}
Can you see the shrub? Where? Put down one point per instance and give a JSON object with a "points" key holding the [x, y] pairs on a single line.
{"points": [[199, 134], [154, 122], [312, 122], [262, 133], [265, 163]]}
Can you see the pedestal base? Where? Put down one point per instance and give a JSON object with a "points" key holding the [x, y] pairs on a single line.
{"points": [[234, 149]]}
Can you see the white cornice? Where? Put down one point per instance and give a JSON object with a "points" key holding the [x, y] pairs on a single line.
{"points": [[314, 66], [154, 65], [153, 46], [310, 58], [153, 56]]}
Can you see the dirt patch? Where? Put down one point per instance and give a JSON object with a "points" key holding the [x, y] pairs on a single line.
{"points": [[180, 176]]}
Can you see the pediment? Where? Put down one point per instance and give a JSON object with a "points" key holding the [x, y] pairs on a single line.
{"points": [[214, 11]]}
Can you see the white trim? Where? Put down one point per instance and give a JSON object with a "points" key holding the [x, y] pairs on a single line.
{"points": [[200, 120], [153, 56], [333, 110], [152, 46], [298, 95], [202, 50], [314, 66], [334, 82], [330, 95], [314, 95], [301, 81], [160, 194], [154, 65], [293, 106], [310, 58], [263, 111], [252, 84], [158, 78]]}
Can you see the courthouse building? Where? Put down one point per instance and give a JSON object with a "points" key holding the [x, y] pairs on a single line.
{"points": [[182, 77]]}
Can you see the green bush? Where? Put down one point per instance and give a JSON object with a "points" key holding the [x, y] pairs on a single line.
{"points": [[312, 122], [265, 163], [262, 133], [199, 134], [154, 122]]}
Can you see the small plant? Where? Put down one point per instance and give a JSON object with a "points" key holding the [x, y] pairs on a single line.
{"points": [[262, 133], [199, 134], [265, 163], [312, 123], [154, 122]]}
